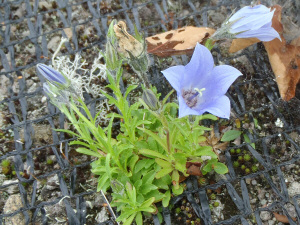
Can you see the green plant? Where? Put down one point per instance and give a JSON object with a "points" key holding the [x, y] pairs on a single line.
{"points": [[143, 163], [236, 164], [247, 157], [6, 167]]}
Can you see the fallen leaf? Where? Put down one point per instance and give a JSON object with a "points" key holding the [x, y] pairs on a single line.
{"points": [[241, 43], [284, 59], [194, 170], [68, 31], [282, 218], [215, 143], [177, 42]]}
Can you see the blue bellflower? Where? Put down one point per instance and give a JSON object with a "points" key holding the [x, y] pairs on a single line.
{"points": [[53, 76], [200, 86], [249, 22]]}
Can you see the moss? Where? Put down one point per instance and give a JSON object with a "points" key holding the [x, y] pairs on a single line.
{"points": [[247, 157]]}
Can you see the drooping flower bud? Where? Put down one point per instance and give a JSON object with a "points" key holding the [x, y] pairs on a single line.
{"points": [[150, 99], [53, 76]]}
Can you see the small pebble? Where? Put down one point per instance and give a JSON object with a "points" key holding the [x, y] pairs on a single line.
{"points": [[265, 215], [254, 182]]}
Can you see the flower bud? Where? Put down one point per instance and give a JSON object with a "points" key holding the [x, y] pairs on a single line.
{"points": [[53, 76], [150, 99], [111, 55]]}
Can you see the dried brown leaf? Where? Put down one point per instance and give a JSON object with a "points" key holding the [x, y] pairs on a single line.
{"points": [[284, 59], [177, 42]]}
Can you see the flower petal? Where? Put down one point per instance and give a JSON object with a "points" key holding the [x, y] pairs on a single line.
{"points": [[220, 107], [198, 69], [248, 11], [252, 22], [184, 110], [263, 34], [174, 75], [223, 77]]}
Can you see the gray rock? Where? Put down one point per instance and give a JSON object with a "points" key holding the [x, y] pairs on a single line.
{"points": [[294, 189], [4, 84], [53, 43], [52, 183], [11, 189], [102, 216], [271, 222], [13, 203], [265, 215], [291, 210]]}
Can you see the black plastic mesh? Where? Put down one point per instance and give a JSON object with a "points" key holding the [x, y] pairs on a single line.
{"points": [[254, 96]]}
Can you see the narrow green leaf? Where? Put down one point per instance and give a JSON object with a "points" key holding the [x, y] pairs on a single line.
{"points": [[247, 140], [133, 161], [163, 163], [139, 218], [166, 199], [153, 154], [163, 172], [167, 97], [129, 89], [159, 140], [231, 135], [148, 202], [129, 220], [89, 152], [208, 116], [67, 131]]}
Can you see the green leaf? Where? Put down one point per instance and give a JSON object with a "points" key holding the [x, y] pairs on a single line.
{"points": [[153, 154], [167, 97], [231, 135], [129, 220], [208, 116], [129, 89], [205, 151], [147, 203], [166, 199], [132, 162], [131, 192], [144, 163], [163, 183], [67, 131], [156, 137], [89, 152], [149, 177], [156, 194], [163, 163], [103, 183], [146, 188], [220, 168], [177, 191], [139, 218], [247, 140], [163, 172], [175, 177]]}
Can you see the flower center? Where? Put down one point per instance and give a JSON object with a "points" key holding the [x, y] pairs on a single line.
{"points": [[190, 96]]}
